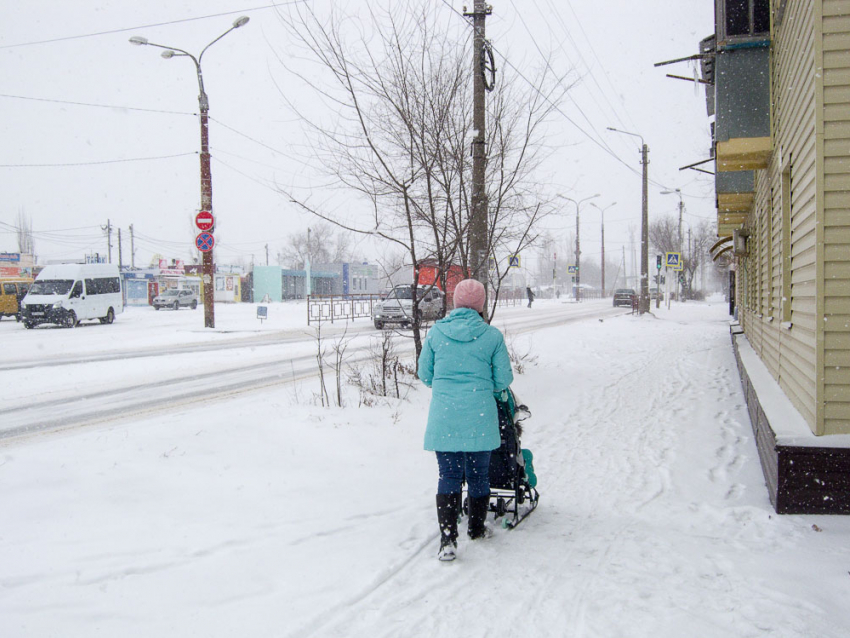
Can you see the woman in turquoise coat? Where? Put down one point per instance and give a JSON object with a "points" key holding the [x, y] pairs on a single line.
{"points": [[465, 363]]}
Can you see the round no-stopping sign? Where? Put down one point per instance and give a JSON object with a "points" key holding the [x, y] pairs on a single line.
{"points": [[205, 242], [204, 220]]}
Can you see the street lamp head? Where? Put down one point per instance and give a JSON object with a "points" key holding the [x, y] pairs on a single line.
{"points": [[240, 22], [168, 54], [138, 40]]}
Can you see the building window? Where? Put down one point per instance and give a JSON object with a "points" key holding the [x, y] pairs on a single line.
{"points": [[737, 17], [743, 18]]}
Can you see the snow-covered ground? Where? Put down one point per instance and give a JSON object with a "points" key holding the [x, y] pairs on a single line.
{"points": [[262, 514]]}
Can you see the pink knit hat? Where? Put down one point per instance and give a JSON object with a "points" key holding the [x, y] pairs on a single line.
{"points": [[470, 293]]}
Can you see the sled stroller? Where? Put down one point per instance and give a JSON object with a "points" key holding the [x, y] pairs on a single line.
{"points": [[513, 492]]}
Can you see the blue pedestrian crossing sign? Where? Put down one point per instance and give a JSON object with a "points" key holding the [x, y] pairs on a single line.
{"points": [[513, 261], [673, 261]]}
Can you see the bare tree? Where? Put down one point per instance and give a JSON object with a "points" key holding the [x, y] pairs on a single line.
{"points": [[399, 88], [664, 235], [700, 239], [696, 240], [26, 243], [323, 244]]}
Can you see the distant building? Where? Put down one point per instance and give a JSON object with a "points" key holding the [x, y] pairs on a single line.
{"points": [[279, 284], [352, 278], [16, 265]]}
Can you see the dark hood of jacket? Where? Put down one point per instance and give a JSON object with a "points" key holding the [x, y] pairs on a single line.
{"points": [[463, 324]]}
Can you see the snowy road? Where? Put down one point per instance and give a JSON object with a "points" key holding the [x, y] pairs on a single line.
{"points": [[264, 514], [105, 380]]}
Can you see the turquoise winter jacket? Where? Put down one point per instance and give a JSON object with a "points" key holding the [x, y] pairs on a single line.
{"points": [[465, 362]]}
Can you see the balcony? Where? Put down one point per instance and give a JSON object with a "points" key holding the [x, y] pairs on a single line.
{"points": [[742, 120], [735, 193]]}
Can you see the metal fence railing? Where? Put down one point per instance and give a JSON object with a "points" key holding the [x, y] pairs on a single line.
{"points": [[591, 293], [511, 297], [339, 307]]}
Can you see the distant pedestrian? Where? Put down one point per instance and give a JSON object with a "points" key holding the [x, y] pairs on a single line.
{"points": [[530, 295], [466, 363]]}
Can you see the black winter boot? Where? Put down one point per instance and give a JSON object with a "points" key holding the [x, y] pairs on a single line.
{"points": [[478, 507], [448, 508]]}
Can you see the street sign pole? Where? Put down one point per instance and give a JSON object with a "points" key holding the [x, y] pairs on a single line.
{"points": [[658, 282]]}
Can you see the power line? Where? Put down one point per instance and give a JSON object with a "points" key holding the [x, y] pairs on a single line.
{"points": [[149, 26], [218, 160], [557, 108], [601, 145], [102, 106], [116, 161], [593, 51], [580, 57], [248, 137]]}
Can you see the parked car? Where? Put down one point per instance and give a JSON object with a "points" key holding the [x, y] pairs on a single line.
{"points": [[654, 293], [398, 306], [623, 296], [176, 298]]}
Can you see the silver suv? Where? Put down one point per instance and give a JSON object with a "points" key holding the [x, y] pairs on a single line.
{"points": [[398, 306], [176, 298]]}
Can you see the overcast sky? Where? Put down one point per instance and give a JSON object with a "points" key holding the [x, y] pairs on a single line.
{"points": [[126, 152]]}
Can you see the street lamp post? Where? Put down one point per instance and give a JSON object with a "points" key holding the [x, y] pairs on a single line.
{"points": [[206, 173], [644, 224], [602, 211], [678, 192], [578, 241]]}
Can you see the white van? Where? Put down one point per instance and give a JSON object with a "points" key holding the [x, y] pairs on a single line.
{"points": [[69, 293]]}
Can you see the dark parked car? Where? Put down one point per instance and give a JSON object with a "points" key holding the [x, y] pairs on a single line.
{"points": [[176, 298], [623, 297], [398, 306]]}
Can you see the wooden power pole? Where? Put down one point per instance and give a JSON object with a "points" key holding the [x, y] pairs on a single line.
{"points": [[644, 233], [482, 65]]}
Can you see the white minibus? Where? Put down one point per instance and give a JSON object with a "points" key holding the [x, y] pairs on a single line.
{"points": [[66, 294]]}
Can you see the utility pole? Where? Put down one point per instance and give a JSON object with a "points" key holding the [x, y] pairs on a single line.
{"points": [[108, 230], [678, 192], [578, 204], [555, 274], [578, 256], [120, 260], [132, 248], [603, 254], [688, 261], [681, 256], [602, 212], [481, 56], [267, 256], [308, 275], [625, 274], [681, 206], [644, 234], [644, 224]]}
